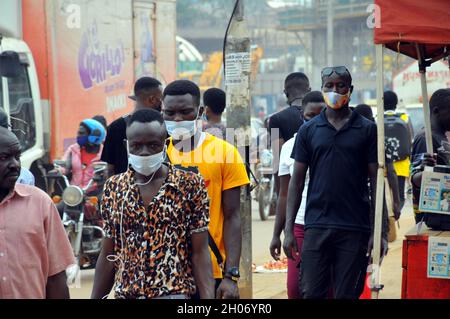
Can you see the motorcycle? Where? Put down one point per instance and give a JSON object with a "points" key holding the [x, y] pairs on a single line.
{"points": [[80, 214], [266, 195]]}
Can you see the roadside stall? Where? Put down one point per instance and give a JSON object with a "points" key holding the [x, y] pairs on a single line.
{"points": [[420, 30]]}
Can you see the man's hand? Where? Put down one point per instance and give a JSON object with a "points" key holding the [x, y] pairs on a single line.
{"points": [[383, 252], [428, 160], [228, 289], [72, 273], [275, 248], [289, 244]]}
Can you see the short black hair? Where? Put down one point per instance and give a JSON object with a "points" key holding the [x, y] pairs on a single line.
{"points": [[313, 97], [3, 119], [145, 84], [215, 99], [366, 111], [390, 101], [102, 120], [145, 116], [183, 87], [440, 99], [296, 76]]}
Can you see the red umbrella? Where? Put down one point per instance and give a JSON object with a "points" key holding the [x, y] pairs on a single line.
{"points": [[418, 29], [407, 23]]}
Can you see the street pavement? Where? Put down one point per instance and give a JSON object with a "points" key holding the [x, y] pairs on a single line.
{"points": [[273, 286]]}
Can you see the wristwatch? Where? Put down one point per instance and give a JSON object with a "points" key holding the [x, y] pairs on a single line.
{"points": [[233, 274]]}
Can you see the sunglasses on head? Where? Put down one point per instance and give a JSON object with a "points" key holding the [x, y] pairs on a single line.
{"points": [[339, 70]]}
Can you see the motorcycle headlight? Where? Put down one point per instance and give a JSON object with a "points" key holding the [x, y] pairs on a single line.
{"points": [[72, 196]]}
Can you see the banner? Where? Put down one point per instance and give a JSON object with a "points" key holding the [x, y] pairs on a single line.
{"points": [[435, 193], [438, 257]]}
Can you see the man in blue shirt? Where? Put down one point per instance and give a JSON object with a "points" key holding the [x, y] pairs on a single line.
{"points": [[339, 147]]}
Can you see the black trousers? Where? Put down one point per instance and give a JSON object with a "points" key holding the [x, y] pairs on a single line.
{"points": [[401, 190], [337, 254]]}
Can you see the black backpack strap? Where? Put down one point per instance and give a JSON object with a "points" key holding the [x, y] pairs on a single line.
{"points": [[215, 250]]}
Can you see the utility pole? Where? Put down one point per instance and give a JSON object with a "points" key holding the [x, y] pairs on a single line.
{"points": [[330, 33], [237, 87], [378, 222]]}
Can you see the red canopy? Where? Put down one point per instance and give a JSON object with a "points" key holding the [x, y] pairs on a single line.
{"points": [[407, 22]]}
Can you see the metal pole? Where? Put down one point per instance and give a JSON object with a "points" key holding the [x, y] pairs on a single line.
{"points": [[375, 277], [237, 86], [426, 103], [330, 33], [426, 112]]}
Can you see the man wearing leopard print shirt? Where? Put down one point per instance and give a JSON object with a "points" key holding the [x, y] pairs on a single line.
{"points": [[156, 223]]}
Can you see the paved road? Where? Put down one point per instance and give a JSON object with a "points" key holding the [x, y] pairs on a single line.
{"points": [[267, 286], [274, 285], [262, 234]]}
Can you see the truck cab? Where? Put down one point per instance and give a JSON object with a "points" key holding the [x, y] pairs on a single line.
{"points": [[56, 73], [20, 98]]}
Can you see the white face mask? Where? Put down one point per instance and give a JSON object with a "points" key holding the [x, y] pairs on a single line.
{"points": [[146, 165], [183, 130]]}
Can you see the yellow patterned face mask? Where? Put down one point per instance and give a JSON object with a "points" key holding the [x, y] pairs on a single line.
{"points": [[335, 100]]}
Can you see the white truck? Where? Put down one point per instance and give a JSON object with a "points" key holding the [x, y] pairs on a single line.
{"points": [[64, 61]]}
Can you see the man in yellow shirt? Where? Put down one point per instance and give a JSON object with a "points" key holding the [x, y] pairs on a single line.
{"points": [[223, 171], [402, 167]]}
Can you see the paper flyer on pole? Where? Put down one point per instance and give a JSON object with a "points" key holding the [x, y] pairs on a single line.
{"points": [[438, 257], [435, 193], [236, 64]]}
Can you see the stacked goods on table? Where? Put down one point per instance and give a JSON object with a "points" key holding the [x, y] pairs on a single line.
{"points": [[271, 266]]}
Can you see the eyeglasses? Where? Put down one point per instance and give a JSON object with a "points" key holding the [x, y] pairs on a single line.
{"points": [[339, 70]]}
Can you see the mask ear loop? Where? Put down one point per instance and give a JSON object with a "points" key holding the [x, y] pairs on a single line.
{"points": [[163, 156]]}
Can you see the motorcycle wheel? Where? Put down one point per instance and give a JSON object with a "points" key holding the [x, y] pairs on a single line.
{"points": [[273, 201], [265, 198]]}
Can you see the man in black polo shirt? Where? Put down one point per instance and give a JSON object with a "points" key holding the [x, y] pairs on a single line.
{"points": [[340, 149], [147, 94], [289, 120]]}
